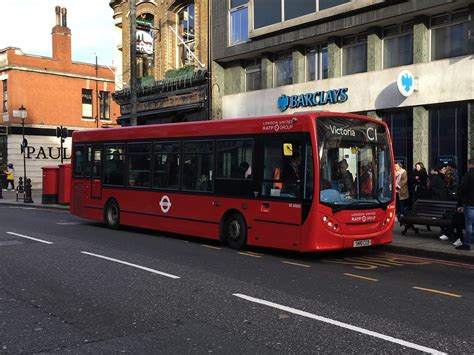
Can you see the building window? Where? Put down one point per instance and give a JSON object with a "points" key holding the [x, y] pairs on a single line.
{"points": [[87, 103], [283, 69], [317, 63], [186, 36], [239, 32], [397, 46], [269, 12], [297, 8], [326, 4], [104, 105], [253, 75], [4, 96], [400, 124], [354, 54], [448, 135], [145, 45], [450, 35]]}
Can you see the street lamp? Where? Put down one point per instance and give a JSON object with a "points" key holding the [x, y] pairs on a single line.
{"points": [[24, 142]]}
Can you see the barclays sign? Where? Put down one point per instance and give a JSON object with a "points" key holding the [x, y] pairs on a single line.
{"points": [[312, 99]]}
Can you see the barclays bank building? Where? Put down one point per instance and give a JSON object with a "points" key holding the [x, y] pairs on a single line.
{"points": [[408, 63]]}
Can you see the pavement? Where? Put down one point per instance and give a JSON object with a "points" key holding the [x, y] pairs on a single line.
{"points": [[425, 244]]}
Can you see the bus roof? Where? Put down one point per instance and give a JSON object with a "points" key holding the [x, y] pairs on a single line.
{"points": [[299, 122]]}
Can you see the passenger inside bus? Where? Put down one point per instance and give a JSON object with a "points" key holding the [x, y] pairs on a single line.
{"points": [[345, 179]]}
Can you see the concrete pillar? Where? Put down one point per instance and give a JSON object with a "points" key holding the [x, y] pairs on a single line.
{"points": [[217, 90], [235, 75], [421, 40], [470, 130], [374, 49], [421, 135], [298, 65], [267, 71], [334, 57], [374, 114]]}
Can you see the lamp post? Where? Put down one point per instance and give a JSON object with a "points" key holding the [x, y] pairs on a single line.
{"points": [[24, 144]]}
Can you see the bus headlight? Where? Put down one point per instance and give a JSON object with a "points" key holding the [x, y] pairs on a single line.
{"points": [[334, 227]]}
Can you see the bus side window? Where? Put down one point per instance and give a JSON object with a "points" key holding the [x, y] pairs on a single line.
{"points": [[283, 175], [198, 165], [114, 173]]}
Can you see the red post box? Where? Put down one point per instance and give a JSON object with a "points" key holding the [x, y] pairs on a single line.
{"points": [[50, 184], [65, 175]]}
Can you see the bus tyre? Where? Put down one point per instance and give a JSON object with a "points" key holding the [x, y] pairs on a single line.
{"points": [[235, 231], [112, 214]]}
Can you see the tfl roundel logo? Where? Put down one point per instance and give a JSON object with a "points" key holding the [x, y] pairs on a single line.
{"points": [[406, 83], [165, 204]]}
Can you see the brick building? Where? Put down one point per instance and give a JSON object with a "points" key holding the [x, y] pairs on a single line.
{"points": [[172, 60], [54, 91]]}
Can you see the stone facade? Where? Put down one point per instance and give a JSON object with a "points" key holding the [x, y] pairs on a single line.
{"points": [[166, 57], [165, 40]]}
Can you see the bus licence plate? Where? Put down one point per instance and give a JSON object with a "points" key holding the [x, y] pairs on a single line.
{"points": [[362, 243]]}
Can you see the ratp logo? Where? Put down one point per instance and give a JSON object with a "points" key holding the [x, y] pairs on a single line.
{"points": [[406, 83]]}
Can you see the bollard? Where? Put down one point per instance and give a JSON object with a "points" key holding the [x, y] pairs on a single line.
{"points": [[20, 189], [28, 198]]}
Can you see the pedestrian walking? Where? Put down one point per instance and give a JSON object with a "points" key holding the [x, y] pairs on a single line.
{"points": [[10, 176], [466, 192]]}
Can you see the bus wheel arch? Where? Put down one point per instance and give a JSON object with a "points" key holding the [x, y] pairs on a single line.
{"points": [[112, 214], [234, 229]]}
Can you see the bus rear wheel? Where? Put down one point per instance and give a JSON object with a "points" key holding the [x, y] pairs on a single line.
{"points": [[235, 231], [112, 214]]}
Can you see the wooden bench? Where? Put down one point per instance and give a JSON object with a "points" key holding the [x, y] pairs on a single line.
{"points": [[429, 213]]}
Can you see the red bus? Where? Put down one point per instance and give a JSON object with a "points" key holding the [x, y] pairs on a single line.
{"points": [[306, 182]]}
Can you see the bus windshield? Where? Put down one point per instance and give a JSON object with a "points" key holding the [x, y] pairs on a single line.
{"points": [[355, 163]]}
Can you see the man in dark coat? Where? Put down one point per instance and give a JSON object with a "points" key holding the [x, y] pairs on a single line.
{"points": [[438, 189], [466, 192]]}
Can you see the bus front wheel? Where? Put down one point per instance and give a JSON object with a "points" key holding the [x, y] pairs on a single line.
{"points": [[112, 214], [235, 231]]}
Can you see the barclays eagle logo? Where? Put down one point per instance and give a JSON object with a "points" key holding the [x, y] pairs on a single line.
{"points": [[283, 102], [407, 82]]}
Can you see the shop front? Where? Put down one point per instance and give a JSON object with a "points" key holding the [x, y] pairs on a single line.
{"points": [[44, 149], [430, 117]]}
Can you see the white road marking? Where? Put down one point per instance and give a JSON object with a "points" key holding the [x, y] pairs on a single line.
{"points": [[67, 223], [339, 324], [133, 265], [27, 237]]}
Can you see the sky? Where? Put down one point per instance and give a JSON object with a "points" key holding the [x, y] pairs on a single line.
{"points": [[27, 24]]}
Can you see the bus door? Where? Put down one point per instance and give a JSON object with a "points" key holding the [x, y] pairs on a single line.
{"points": [[280, 211], [95, 163]]}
